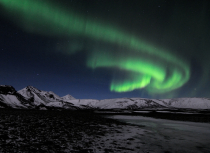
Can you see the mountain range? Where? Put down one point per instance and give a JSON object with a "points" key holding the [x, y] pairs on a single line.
{"points": [[33, 98]]}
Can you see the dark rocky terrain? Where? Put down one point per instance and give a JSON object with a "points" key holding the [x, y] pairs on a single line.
{"points": [[62, 131]]}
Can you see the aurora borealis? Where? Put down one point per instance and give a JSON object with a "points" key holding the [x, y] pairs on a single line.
{"points": [[133, 61]]}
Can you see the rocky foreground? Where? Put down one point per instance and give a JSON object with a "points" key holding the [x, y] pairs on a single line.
{"points": [[65, 131]]}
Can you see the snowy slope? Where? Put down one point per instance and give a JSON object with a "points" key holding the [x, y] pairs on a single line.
{"points": [[39, 96], [12, 101], [84, 103], [46, 98], [119, 103], [67, 97], [140, 103], [194, 103]]}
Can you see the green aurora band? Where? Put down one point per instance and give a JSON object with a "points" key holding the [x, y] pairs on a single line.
{"points": [[157, 70]]}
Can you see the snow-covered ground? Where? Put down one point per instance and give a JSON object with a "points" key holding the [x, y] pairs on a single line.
{"points": [[173, 136]]}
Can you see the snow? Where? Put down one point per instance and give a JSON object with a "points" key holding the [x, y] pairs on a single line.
{"points": [[55, 104], [67, 97], [193, 103], [25, 93], [12, 101]]}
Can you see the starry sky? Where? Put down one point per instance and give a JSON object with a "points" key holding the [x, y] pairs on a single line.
{"points": [[101, 49]]}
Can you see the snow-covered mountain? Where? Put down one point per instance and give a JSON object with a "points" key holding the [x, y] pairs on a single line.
{"points": [[68, 97], [38, 96], [33, 98]]}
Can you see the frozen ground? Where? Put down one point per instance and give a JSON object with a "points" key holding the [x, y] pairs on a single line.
{"points": [[162, 135], [66, 131]]}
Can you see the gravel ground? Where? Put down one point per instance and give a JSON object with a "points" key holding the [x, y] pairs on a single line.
{"points": [[66, 131]]}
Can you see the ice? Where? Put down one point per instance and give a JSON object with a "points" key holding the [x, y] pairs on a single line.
{"points": [[173, 136]]}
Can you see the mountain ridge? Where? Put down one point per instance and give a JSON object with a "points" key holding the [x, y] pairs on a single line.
{"points": [[33, 98]]}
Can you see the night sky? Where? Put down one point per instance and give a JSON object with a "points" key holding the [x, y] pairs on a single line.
{"points": [[103, 49]]}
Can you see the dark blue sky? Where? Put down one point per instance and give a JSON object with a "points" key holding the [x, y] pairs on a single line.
{"points": [[31, 58]]}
